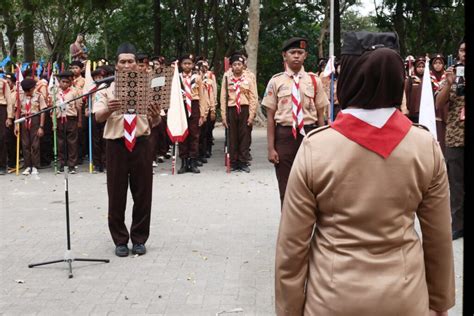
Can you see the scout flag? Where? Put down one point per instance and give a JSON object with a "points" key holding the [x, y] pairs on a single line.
{"points": [[427, 107]]}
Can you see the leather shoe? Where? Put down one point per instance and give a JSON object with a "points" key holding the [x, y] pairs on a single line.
{"points": [[458, 234], [121, 251], [139, 249], [244, 167]]}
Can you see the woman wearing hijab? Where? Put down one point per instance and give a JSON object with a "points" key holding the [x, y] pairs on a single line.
{"points": [[347, 243], [413, 86], [438, 75]]}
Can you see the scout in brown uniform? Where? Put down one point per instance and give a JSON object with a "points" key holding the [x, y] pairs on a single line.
{"points": [[125, 166], [249, 74], [413, 86], [210, 86], [4, 123], [32, 129], [195, 102], [438, 75], [295, 101], [451, 99], [239, 112], [70, 119], [78, 83], [347, 243], [98, 141], [10, 134]]}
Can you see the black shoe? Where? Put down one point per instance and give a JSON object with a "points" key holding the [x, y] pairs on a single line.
{"points": [[72, 170], [61, 169], [160, 159], [207, 155], [197, 162], [250, 157], [139, 249], [184, 166], [121, 250], [203, 160], [193, 166], [234, 167], [167, 155], [458, 234], [3, 171], [244, 167], [44, 165]]}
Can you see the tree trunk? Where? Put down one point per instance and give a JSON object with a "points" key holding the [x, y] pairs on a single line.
{"points": [[157, 27], [106, 41], [322, 32], [399, 27], [2, 44], [28, 32], [197, 27], [11, 34], [251, 47]]}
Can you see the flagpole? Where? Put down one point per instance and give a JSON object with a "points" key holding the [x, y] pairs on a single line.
{"points": [[173, 162], [331, 58], [18, 112], [55, 127], [90, 132]]}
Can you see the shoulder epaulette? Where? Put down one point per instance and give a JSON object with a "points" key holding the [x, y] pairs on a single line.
{"points": [[317, 130], [278, 74], [421, 126]]}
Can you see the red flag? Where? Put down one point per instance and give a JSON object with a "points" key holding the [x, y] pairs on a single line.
{"points": [[226, 63]]}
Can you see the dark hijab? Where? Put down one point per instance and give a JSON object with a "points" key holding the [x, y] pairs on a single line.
{"points": [[375, 79]]}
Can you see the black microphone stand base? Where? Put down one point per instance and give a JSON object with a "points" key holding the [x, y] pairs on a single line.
{"points": [[69, 260]]}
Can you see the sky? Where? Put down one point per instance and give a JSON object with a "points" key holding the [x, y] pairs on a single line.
{"points": [[367, 7]]}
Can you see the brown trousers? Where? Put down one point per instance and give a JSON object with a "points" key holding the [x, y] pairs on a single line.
{"points": [[47, 141], [286, 146], [163, 141], [31, 143], [124, 167], [3, 136], [71, 141], [239, 134], [190, 147], [204, 135], [98, 143]]}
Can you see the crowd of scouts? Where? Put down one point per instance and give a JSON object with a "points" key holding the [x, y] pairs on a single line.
{"points": [[296, 102]]}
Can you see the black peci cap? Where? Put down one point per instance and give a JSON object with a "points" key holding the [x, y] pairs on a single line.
{"points": [[28, 84], [76, 63], [65, 74], [187, 56], [236, 57], [356, 43], [294, 42], [126, 48]]}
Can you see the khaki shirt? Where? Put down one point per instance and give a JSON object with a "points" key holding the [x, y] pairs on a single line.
{"points": [[12, 104], [42, 87], [198, 92], [72, 108], [210, 85], [347, 243], [4, 93], [278, 97], [79, 83], [114, 124], [37, 103], [247, 94]]}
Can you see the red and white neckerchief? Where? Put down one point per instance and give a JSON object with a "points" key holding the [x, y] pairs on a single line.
{"points": [[28, 112], [436, 82], [379, 130], [296, 106], [62, 97], [130, 130], [186, 79], [237, 82]]}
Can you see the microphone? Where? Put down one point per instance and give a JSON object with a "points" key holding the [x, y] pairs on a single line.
{"points": [[106, 80], [20, 120]]}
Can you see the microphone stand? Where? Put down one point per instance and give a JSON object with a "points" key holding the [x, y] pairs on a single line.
{"points": [[68, 257]]}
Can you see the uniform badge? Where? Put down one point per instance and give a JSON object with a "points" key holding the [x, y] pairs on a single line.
{"points": [[270, 93], [284, 101]]}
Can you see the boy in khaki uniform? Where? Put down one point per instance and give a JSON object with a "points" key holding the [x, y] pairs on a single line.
{"points": [[242, 108], [4, 123], [196, 104], [32, 129], [295, 101], [70, 119]]}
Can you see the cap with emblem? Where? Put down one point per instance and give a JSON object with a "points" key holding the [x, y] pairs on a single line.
{"points": [[187, 56], [236, 57], [294, 42], [76, 63], [65, 75], [356, 43], [420, 60], [28, 84]]}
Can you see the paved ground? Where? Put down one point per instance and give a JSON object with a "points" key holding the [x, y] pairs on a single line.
{"points": [[211, 248]]}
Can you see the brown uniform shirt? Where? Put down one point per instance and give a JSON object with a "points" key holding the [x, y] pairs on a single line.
{"points": [[72, 108], [198, 92], [4, 93], [37, 103], [79, 83], [347, 243], [42, 87], [114, 124], [210, 85], [247, 94], [278, 97], [12, 104]]}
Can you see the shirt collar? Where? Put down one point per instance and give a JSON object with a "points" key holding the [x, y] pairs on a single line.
{"points": [[374, 117]]}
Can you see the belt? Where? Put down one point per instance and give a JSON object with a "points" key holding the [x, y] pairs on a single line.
{"points": [[138, 139], [314, 125]]}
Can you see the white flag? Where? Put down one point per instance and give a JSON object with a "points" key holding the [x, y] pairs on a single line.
{"points": [[89, 82], [53, 83], [427, 107], [177, 118], [329, 69]]}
